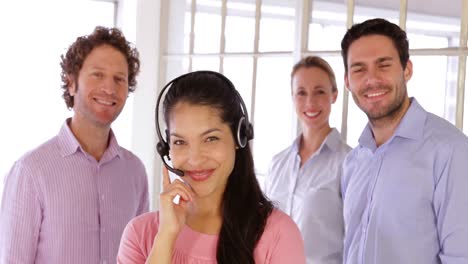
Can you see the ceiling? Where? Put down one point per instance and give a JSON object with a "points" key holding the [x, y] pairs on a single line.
{"points": [[448, 8]]}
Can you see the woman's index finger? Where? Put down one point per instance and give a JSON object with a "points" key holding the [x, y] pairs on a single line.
{"points": [[166, 179]]}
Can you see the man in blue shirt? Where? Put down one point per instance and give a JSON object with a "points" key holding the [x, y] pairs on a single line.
{"points": [[405, 185]]}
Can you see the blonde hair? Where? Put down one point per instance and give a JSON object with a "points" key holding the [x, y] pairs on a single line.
{"points": [[315, 61]]}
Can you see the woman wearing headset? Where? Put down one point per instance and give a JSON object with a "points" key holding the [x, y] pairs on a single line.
{"points": [[304, 179], [222, 215]]}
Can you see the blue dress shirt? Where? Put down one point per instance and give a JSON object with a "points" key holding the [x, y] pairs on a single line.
{"points": [[311, 196], [406, 202]]}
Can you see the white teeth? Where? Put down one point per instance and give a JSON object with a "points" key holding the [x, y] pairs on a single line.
{"points": [[375, 94], [311, 114], [198, 172], [104, 102]]}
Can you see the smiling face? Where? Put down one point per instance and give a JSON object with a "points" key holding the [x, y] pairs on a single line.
{"points": [[313, 96], [101, 89], [376, 78], [201, 145]]}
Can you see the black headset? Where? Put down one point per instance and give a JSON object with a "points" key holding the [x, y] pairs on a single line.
{"points": [[244, 130]]}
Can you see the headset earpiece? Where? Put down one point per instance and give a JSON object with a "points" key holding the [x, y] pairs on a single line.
{"points": [[241, 136], [244, 132], [249, 132], [162, 148]]}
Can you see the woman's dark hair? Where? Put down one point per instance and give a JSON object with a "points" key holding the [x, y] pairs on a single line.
{"points": [[245, 209], [73, 60], [377, 26]]}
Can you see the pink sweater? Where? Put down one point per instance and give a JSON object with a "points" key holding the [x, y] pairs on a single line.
{"points": [[280, 243]]}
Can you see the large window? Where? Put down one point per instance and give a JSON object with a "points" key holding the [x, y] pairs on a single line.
{"points": [[255, 43], [34, 35]]}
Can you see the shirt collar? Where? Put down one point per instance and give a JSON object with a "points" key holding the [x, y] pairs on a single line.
{"points": [[69, 144], [411, 126], [113, 149], [332, 141]]}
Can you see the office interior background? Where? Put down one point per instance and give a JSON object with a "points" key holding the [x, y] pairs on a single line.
{"points": [[253, 42]]}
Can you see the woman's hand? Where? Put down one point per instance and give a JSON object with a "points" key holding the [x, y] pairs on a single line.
{"points": [[172, 216]]}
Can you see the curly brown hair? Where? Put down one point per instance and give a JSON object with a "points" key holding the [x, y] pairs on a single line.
{"points": [[73, 60]]}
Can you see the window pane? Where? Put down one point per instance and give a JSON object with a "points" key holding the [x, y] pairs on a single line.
{"points": [[436, 94], [328, 26], [240, 26], [435, 25], [179, 26], [207, 27], [239, 71], [421, 41], [274, 122], [176, 67], [367, 9], [277, 26], [205, 63], [31, 106]]}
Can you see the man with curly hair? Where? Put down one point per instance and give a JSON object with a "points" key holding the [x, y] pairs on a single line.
{"points": [[68, 200]]}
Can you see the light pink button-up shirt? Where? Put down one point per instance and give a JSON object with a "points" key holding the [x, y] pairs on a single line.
{"points": [[60, 205]]}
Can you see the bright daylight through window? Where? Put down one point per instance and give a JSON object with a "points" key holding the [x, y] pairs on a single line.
{"points": [[31, 107], [257, 49]]}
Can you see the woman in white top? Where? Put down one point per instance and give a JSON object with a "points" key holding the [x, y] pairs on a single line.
{"points": [[304, 179]]}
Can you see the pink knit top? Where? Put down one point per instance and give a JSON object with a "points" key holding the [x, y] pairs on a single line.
{"points": [[281, 242]]}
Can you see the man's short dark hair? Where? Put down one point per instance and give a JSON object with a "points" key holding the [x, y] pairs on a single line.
{"points": [[377, 26]]}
